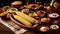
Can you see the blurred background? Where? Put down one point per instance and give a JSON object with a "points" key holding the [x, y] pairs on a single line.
{"points": [[7, 2]]}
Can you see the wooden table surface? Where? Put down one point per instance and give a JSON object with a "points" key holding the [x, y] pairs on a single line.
{"points": [[5, 30]]}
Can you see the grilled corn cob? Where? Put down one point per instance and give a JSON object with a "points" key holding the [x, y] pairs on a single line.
{"points": [[32, 20], [22, 20]]}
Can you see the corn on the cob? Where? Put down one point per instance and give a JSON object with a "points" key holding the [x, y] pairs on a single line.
{"points": [[3, 13], [22, 20], [32, 20]]}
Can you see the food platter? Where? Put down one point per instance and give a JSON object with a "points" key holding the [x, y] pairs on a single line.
{"points": [[36, 17]]}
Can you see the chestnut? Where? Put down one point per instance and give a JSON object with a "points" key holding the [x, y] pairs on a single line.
{"points": [[43, 28], [46, 20], [54, 27]]}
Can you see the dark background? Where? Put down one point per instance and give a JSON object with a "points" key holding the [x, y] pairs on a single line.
{"points": [[7, 2]]}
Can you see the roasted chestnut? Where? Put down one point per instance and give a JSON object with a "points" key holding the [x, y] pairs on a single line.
{"points": [[54, 27], [43, 28], [46, 20]]}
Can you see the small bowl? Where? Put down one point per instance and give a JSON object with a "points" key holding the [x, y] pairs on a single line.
{"points": [[40, 13], [43, 28], [53, 15], [45, 20], [54, 27]]}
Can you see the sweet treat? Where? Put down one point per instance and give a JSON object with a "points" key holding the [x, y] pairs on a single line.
{"points": [[53, 15], [54, 27], [45, 20], [44, 29]]}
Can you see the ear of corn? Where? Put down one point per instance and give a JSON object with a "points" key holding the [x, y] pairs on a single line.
{"points": [[22, 20], [32, 20]]}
